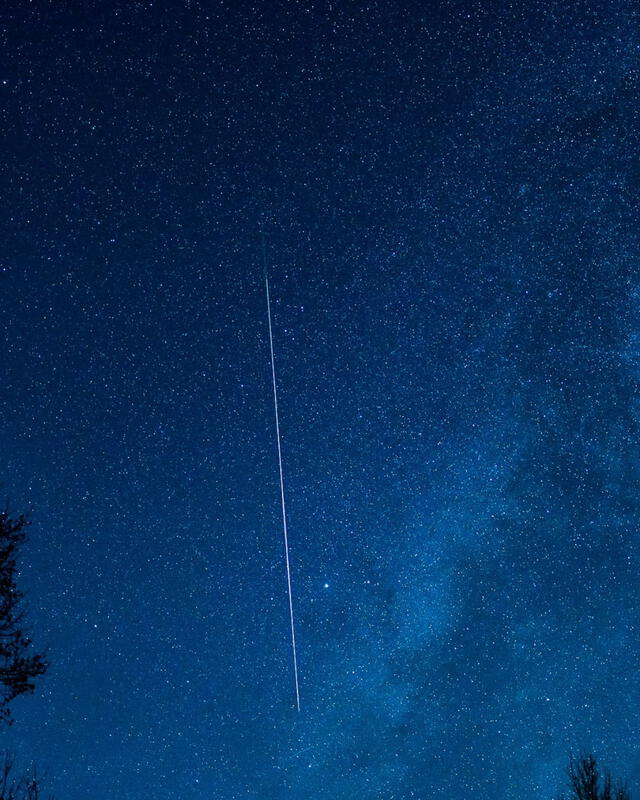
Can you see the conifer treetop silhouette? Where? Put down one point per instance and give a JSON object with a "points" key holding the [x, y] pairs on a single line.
{"points": [[19, 664]]}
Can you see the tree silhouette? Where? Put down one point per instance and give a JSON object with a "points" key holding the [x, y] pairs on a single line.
{"points": [[23, 788], [587, 784], [19, 666]]}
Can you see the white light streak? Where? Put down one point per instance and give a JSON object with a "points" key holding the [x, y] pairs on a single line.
{"points": [[284, 507]]}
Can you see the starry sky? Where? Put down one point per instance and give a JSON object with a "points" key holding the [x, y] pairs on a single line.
{"points": [[449, 197]]}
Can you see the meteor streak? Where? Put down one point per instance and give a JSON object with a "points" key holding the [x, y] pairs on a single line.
{"points": [[284, 507]]}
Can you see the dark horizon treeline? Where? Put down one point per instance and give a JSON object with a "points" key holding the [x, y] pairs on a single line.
{"points": [[20, 664], [586, 782]]}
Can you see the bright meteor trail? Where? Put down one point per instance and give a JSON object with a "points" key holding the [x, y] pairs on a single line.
{"points": [[284, 508]]}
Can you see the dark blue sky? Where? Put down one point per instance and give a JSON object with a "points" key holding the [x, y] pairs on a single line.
{"points": [[449, 194]]}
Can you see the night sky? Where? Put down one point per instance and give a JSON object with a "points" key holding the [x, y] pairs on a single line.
{"points": [[449, 197]]}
